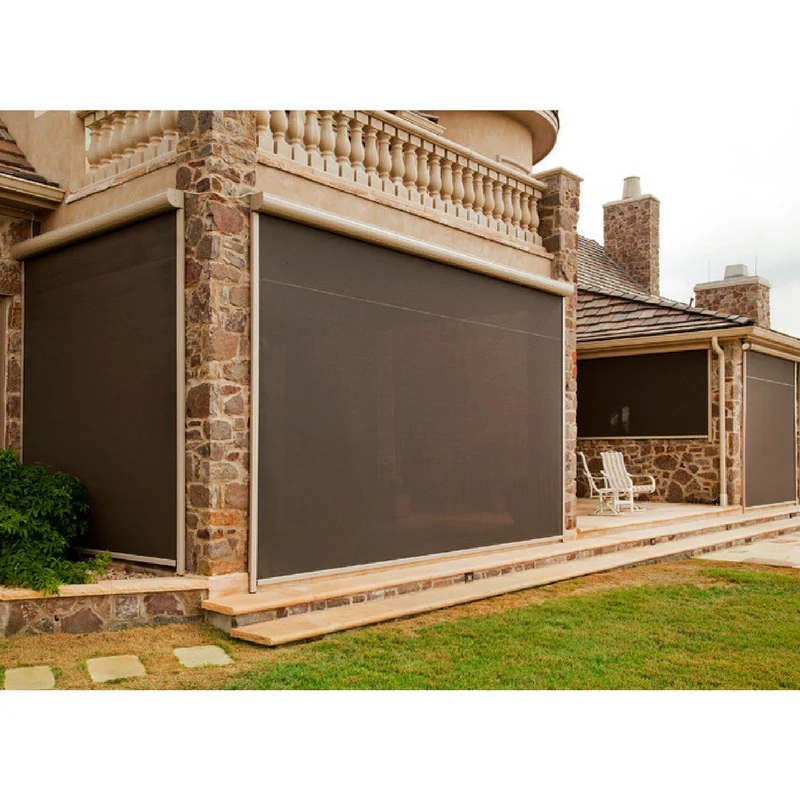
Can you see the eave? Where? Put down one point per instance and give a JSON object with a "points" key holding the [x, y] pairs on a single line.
{"points": [[29, 195]]}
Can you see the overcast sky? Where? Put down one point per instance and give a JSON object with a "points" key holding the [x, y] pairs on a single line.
{"points": [[727, 179]]}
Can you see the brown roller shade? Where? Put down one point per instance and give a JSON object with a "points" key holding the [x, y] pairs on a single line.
{"points": [[100, 382], [770, 441], [406, 407], [662, 394]]}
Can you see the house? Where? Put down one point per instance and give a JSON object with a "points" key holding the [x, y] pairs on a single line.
{"points": [[649, 371], [297, 343], [395, 270]]}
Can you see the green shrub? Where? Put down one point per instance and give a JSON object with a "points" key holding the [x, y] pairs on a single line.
{"points": [[43, 516]]}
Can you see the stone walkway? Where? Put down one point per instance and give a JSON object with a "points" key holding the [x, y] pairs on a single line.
{"points": [[782, 551], [114, 668]]}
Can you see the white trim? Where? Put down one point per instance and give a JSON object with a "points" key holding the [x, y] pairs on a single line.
{"points": [[410, 560], [298, 212], [180, 391], [69, 234], [164, 562], [255, 327], [564, 382], [768, 351]]}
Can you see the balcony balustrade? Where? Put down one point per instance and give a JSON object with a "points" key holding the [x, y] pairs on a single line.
{"points": [[117, 141], [398, 158]]}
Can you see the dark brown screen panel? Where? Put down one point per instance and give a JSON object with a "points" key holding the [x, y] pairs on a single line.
{"points": [[406, 407], [663, 394], [100, 382], [770, 443]]}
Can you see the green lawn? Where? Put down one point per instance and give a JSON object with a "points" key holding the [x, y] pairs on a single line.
{"points": [[739, 631]]}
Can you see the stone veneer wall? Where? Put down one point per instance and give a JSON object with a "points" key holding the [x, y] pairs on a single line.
{"points": [[99, 612], [558, 227], [12, 231], [686, 470], [748, 298], [631, 238], [217, 155]]}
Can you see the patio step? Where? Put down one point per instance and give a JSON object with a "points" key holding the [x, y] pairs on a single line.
{"points": [[296, 627], [317, 593]]}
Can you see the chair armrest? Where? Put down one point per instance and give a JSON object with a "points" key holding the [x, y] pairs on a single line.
{"points": [[648, 480]]}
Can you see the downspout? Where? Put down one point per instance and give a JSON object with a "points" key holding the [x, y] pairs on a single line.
{"points": [[723, 467]]}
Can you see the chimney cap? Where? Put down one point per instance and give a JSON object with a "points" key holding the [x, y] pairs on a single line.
{"points": [[735, 271], [631, 187]]}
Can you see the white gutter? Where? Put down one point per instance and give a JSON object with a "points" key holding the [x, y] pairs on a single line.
{"points": [[723, 466]]}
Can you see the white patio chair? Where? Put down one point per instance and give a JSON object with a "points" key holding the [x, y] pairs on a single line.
{"points": [[597, 488], [617, 477]]}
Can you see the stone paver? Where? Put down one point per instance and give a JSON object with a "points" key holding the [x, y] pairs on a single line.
{"points": [[202, 655], [30, 678], [113, 667], [782, 551]]}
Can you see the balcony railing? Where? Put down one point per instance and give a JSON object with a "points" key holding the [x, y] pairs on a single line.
{"points": [[117, 141], [397, 158]]}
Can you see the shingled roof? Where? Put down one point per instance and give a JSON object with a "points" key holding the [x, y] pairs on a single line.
{"points": [[13, 161], [598, 271], [621, 315]]}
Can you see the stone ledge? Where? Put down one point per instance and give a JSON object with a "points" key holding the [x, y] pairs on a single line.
{"points": [[131, 586]]}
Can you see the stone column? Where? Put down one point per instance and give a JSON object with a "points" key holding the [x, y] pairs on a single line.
{"points": [[12, 231], [734, 420], [217, 153], [558, 227]]}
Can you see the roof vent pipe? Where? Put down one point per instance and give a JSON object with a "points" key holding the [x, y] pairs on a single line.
{"points": [[631, 187]]}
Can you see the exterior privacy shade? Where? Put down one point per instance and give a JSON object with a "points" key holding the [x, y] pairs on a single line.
{"points": [[406, 408], [770, 434], [655, 395], [100, 380]]}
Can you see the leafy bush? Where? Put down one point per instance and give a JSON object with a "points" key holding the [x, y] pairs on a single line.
{"points": [[43, 516]]}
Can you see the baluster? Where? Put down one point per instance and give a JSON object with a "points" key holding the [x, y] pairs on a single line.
{"points": [[498, 205], [410, 178], [327, 141], [294, 136], [458, 189], [516, 213], [371, 156], [534, 226], [342, 148], [447, 183], [357, 151], [507, 208], [479, 195], [169, 121], [385, 161], [129, 138], [279, 124], [469, 193], [423, 176], [488, 202], [155, 133], [104, 152], [93, 153], [142, 137], [264, 135], [435, 186], [525, 220], [312, 139], [117, 140], [398, 166]]}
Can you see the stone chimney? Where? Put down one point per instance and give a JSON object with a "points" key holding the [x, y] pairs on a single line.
{"points": [[737, 293], [630, 234]]}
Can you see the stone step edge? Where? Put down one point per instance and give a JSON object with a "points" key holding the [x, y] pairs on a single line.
{"points": [[645, 524], [308, 626], [482, 567]]}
